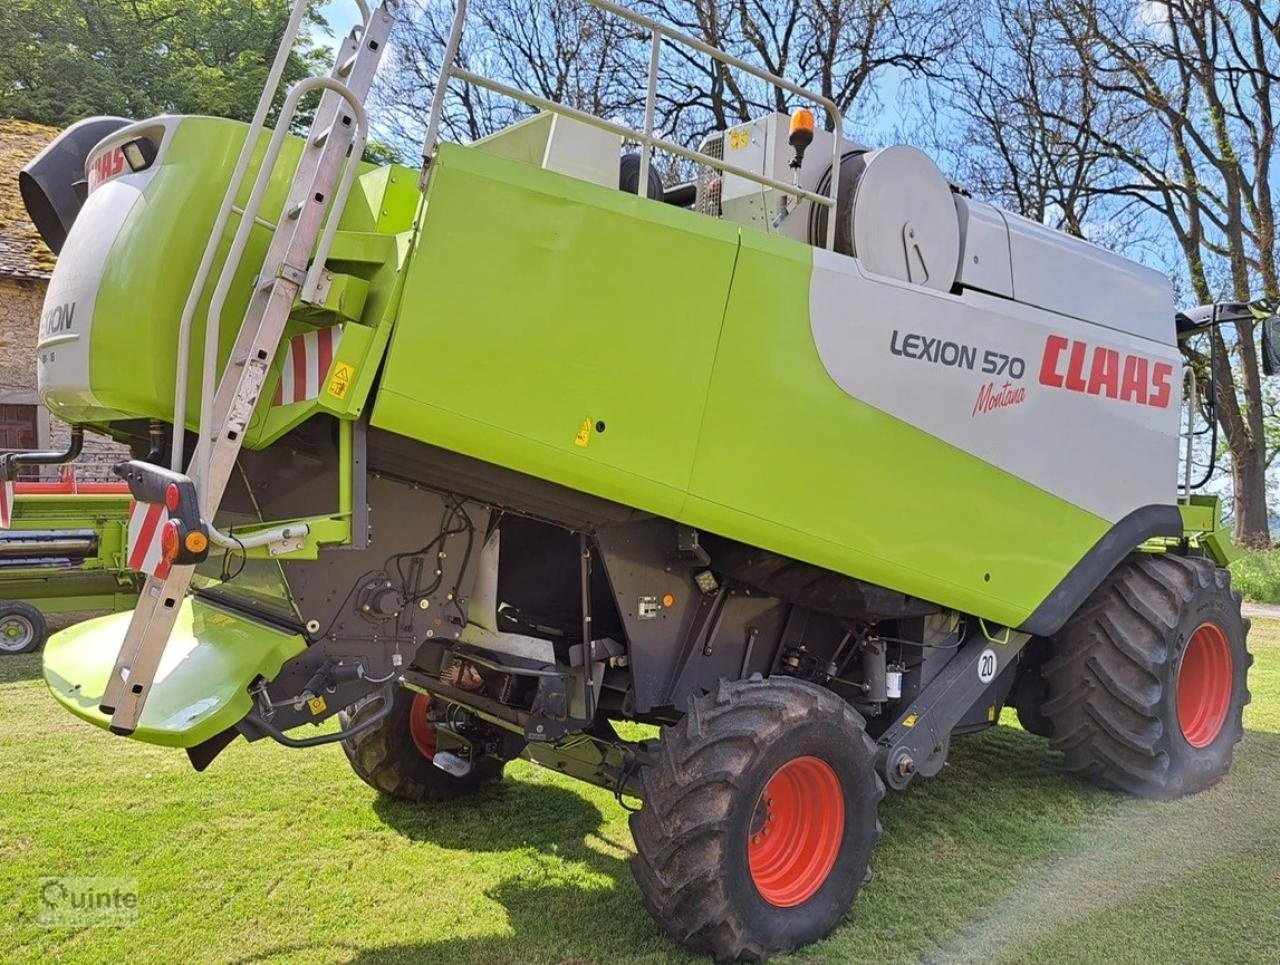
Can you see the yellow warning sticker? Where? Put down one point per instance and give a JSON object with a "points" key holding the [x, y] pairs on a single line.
{"points": [[317, 706], [910, 720], [991, 712], [583, 438], [340, 381], [739, 137]]}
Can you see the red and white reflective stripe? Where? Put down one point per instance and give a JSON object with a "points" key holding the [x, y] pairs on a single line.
{"points": [[6, 505], [146, 525], [307, 359]]}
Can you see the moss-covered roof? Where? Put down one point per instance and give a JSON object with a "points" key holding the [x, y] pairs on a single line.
{"points": [[22, 253]]}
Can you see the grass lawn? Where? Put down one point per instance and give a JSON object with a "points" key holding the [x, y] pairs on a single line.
{"points": [[275, 854]]}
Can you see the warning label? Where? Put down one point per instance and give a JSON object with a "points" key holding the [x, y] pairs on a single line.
{"points": [[340, 381]]}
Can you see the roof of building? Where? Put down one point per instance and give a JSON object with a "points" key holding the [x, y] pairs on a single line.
{"points": [[22, 253]]}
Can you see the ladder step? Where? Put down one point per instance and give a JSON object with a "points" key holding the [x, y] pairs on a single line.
{"points": [[257, 342]]}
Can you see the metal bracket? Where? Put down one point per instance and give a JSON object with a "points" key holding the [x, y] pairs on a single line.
{"points": [[919, 741]]}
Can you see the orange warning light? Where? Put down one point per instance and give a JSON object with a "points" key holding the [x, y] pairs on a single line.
{"points": [[668, 600], [196, 542], [801, 134]]}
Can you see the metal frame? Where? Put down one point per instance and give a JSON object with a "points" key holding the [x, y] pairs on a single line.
{"points": [[648, 141]]}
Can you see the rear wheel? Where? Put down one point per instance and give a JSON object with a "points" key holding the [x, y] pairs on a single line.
{"points": [[1147, 683], [22, 627], [395, 757], [759, 818]]}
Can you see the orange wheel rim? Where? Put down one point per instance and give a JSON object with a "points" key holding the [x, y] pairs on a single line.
{"points": [[1204, 685], [421, 730], [796, 832]]}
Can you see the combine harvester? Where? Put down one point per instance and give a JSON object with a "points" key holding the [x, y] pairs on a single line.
{"points": [[817, 463]]}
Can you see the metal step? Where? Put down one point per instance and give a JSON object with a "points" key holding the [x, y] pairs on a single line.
{"points": [[320, 185]]}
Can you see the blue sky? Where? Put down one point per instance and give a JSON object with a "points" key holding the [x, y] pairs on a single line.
{"points": [[341, 14]]}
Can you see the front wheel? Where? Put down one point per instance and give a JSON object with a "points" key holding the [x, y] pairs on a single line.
{"points": [[759, 818], [22, 627], [396, 756]]}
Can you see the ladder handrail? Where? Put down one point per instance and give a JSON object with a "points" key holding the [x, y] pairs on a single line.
{"points": [[213, 319], [292, 28], [658, 32], [257, 125]]}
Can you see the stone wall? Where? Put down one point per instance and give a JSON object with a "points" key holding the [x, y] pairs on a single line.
{"points": [[20, 303]]}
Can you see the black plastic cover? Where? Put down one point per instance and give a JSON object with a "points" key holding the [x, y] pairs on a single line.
{"points": [[51, 184]]}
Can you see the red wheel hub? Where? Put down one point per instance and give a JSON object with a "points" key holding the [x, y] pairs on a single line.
{"points": [[421, 729], [796, 832], [1205, 685]]}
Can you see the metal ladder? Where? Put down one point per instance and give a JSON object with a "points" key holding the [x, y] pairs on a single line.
{"points": [[317, 195]]}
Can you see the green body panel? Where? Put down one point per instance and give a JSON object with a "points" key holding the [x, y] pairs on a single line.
{"points": [[101, 581], [147, 277], [200, 687], [538, 306], [1203, 526], [148, 273]]}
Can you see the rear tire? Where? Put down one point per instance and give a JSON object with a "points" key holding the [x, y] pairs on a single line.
{"points": [[394, 757], [22, 627], [1147, 683], [759, 818]]}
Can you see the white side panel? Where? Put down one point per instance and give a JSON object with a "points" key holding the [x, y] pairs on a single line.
{"points": [[984, 248], [761, 146], [1084, 412], [1065, 274], [62, 350], [582, 151]]}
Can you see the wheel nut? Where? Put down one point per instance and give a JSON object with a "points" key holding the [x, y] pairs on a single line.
{"points": [[906, 767]]}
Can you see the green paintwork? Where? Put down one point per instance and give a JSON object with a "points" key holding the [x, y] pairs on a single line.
{"points": [[642, 353], [200, 688], [102, 581], [1203, 526], [689, 339], [133, 351]]}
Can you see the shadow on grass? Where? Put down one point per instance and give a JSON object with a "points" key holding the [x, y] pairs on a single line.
{"points": [[15, 668], [1002, 854], [504, 816], [553, 922]]}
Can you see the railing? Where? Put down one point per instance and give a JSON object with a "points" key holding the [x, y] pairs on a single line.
{"points": [[90, 473], [1192, 391], [648, 141], [248, 218]]}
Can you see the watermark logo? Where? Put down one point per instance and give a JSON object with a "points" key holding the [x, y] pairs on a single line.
{"points": [[87, 902]]}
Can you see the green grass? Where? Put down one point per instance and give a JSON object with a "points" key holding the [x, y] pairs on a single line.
{"points": [[1257, 576], [283, 855]]}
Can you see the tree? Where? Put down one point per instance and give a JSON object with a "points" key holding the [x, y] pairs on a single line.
{"points": [[61, 60], [569, 51], [1164, 111]]}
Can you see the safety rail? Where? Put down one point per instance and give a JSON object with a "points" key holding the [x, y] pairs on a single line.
{"points": [[336, 202], [1192, 395], [249, 218], [658, 32]]}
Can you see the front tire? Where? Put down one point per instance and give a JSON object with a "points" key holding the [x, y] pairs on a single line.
{"points": [[759, 819], [395, 757], [22, 627], [1147, 684]]}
